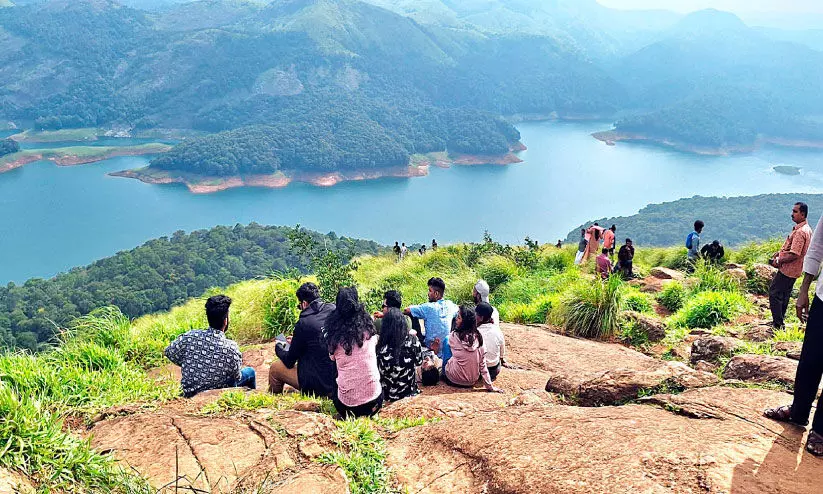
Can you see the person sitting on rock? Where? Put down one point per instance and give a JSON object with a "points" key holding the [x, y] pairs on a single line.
{"points": [[398, 355], [480, 293], [304, 364], [603, 264], [207, 358], [352, 345], [494, 343], [467, 362], [625, 260], [713, 252], [437, 316]]}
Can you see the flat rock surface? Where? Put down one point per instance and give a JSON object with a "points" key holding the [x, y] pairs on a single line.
{"points": [[593, 372], [627, 449], [761, 368]]}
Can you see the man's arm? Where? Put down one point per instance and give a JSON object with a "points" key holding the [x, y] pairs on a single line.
{"points": [[811, 267], [297, 348], [176, 350]]}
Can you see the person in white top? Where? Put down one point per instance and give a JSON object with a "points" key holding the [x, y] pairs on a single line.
{"points": [[494, 343], [810, 367], [480, 293], [403, 251]]}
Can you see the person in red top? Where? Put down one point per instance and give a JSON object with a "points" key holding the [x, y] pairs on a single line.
{"points": [[789, 262], [604, 264], [608, 240]]}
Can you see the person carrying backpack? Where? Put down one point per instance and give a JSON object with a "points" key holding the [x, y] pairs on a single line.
{"points": [[693, 241]]}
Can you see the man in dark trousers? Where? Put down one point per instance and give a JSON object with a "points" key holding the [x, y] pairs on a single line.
{"points": [[810, 367], [304, 364], [789, 262], [625, 260]]}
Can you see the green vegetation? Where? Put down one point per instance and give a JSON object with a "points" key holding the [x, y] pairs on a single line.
{"points": [[708, 309], [673, 296], [156, 276], [234, 401], [638, 302], [710, 278], [592, 309], [8, 146], [727, 219], [362, 457], [62, 135]]}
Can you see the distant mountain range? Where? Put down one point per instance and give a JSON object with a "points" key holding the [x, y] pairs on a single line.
{"points": [[400, 77]]}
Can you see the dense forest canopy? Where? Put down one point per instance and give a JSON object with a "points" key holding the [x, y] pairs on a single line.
{"points": [[153, 277], [8, 146], [728, 219]]}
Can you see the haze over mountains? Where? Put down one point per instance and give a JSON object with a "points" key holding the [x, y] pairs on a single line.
{"points": [[330, 85]]}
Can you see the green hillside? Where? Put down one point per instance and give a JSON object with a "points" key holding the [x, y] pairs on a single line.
{"points": [[728, 219]]}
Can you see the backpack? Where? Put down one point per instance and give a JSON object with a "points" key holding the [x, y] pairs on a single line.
{"points": [[689, 240]]}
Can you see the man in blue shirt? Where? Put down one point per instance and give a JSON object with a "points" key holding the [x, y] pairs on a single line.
{"points": [[437, 315], [693, 241]]}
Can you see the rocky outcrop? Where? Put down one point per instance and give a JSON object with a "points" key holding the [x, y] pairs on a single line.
{"points": [[14, 483], [710, 348], [792, 348], [707, 440], [738, 274], [652, 327], [761, 368], [666, 274]]}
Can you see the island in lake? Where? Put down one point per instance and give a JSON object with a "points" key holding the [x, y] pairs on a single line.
{"points": [[77, 155]]}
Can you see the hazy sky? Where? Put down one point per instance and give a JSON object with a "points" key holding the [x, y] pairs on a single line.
{"points": [[741, 6]]}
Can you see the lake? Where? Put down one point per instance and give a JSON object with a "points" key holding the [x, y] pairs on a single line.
{"points": [[54, 218]]}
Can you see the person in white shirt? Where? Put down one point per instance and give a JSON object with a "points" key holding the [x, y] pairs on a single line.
{"points": [[403, 251], [480, 293], [494, 343], [810, 367]]}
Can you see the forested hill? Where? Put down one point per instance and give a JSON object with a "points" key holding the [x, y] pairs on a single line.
{"points": [[732, 220], [153, 277]]}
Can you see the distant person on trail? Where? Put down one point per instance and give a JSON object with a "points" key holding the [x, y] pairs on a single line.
{"points": [[396, 250], [713, 252], [434, 244], [604, 264], [398, 355], [810, 367], [422, 250], [581, 247], [403, 251], [209, 360], [437, 315], [789, 263], [304, 363], [467, 362], [352, 345], [494, 343], [625, 260], [609, 240], [480, 294], [559, 244], [693, 241], [594, 236]]}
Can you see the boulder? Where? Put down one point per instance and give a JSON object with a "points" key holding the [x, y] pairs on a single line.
{"points": [[704, 366], [666, 274], [14, 483], [792, 348], [763, 273], [732, 265], [315, 480], [761, 368], [706, 440], [710, 348], [738, 274], [759, 332], [654, 328]]}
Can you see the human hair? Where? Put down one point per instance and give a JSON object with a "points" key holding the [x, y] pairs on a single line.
{"points": [[393, 333], [308, 292], [484, 310], [628, 240], [467, 330], [698, 225], [605, 251], [349, 323], [596, 234], [582, 232], [804, 208], [430, 377], [613, 228], [438, 284], [393, 298], [217, 310]]}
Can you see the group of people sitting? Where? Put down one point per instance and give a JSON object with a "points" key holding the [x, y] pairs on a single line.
{"points": [[591, 239], [358, 360]]}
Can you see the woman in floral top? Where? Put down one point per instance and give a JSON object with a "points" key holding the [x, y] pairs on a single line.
{"points": [[398, 353]]}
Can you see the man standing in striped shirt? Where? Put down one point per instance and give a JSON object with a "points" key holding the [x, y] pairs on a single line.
{"points": [[810, 367]]}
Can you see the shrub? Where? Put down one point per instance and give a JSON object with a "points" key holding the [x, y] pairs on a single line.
{"points": [[673, 296], [632, 334], [757, 252], [558, 260], [638, 302], [496, 270], [280, 312], [591, 309], [708, 309], [710, 278]]}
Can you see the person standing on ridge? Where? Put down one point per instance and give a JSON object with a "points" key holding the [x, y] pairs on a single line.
{"points": [[403, 251], [396, 250], [625, 259], [581, 247], [693, 242], [209, 360], [609, 240], [594, 236], [559, 244], [434, 244], [789, 263], [810, 367]]}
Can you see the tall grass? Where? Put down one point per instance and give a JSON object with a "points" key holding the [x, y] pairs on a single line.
{"points": [[708, 309], [591, 309], [673, 296], [756, 252], [710, 278]]}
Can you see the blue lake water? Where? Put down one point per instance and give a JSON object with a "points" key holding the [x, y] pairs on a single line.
{"points": [[53, 218]]}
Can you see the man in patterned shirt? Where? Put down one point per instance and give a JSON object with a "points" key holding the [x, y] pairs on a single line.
{"points": [[207, 358]]}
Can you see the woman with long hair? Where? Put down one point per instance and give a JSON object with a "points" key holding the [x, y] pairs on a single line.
{"points": [[398, 354], [350, 336], [468, 357]]}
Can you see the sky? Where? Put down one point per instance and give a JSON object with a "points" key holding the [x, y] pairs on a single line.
{"points": [[738, 6]]}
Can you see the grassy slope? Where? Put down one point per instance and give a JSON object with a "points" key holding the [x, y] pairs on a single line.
{"points": [[103, 358], [81, 134]]}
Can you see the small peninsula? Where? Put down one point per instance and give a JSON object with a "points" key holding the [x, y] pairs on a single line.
{"points": [[77, 155]]}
